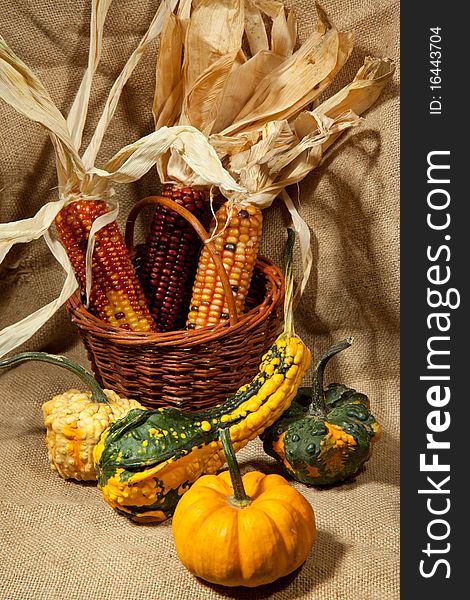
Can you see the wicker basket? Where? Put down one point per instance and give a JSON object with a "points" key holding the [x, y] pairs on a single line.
{"points": [[185, 369]]}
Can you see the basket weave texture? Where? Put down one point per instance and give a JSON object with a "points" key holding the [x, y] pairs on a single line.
{"points": [[185, 369], [190, 370]]}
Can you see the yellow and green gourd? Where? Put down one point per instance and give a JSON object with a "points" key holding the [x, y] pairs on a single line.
{"points": [[325, 436], [75, 420], [146, 461]]}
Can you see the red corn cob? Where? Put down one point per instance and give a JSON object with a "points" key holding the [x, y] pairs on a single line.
{"points": [[168, 260], [116, 294]]}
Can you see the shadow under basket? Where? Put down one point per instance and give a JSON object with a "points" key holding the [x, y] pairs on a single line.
{"points": [[189, 370]]}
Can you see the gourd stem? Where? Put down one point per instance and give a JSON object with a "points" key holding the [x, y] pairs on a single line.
{"points": [[240, 497], [97, 393], [318, 406], [289, 285]]}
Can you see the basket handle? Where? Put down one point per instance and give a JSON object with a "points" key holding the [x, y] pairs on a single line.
{"points": [[183, 212]]}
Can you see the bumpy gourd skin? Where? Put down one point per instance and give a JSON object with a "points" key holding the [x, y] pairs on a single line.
{"points": [[75, 420], [147, 460], [74, 424], [324, 449]]}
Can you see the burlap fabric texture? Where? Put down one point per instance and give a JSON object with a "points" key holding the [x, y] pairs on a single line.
{"points": [[59, 540]]}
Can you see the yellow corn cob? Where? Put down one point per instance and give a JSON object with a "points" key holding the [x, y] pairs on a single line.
{"points": [[238, 246]]}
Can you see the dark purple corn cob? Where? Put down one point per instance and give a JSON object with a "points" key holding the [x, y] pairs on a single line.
{"points": [[168, 261]]}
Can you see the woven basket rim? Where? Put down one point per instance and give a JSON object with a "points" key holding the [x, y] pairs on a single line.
{"points": [[182, 337]]}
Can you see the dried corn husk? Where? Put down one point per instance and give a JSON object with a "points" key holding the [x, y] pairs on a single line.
{"points": [[253, 107], [224, 118], [77, 176]]}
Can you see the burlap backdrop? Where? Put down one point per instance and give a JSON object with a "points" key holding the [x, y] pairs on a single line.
{"points": [[59, 539]]}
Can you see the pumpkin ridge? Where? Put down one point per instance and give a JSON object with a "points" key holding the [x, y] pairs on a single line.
{"points": [[249, 551], [260, 552], [296, 546], [207, 480]]}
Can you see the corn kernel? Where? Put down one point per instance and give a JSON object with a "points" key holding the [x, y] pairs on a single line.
{"points": [[238, 246], [115, 284]]}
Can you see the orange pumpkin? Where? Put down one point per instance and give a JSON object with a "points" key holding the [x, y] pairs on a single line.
{"points": [[247, 531]]}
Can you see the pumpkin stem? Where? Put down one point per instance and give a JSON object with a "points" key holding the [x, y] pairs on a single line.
{"points": [[240, 497], [318, 406], [97, 393]]}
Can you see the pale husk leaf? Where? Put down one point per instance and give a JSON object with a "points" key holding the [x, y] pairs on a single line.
{"points": [[14, 335], [22, 89], [152, 32], [98, 224], [205, 45], [171, 108], [255, 29], [294, 80], [201, 105], [299, 165], [168, 72], [226, 146], [271, 8], [280, 158], [303, 233], [284, 34], [207, 48], [241, 85], [345, 45], [78, 112], [184, 14], [362, 92], [26, 230], [317, 137], [134, 160]]}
